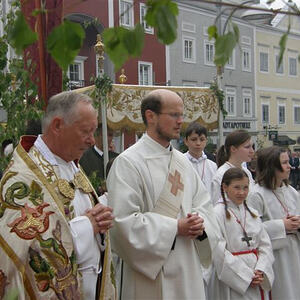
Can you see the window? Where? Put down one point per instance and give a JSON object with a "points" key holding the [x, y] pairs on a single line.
{"points": [[209, 52], [297, 114], [247, 101], [281, 114], [278, 68], [264, 62], [126, 13], [188, 49], [292, 66], [76, 72], [145, 73], [246, 60], [143, 11], [265, 113], [230, 101], [231, 62]]}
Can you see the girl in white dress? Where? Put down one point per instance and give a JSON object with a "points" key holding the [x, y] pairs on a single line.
{"points": [[242, 260], [236, 151], [278, 204]]}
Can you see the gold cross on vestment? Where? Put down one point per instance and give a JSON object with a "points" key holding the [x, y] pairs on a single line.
{"points": [[176, 184]]}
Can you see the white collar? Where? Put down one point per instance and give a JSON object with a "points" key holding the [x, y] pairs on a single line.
{"points": [[196, 160], [156, 144], [100, 152], [45, 151]]}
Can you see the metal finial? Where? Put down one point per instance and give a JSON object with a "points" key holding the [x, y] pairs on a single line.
{"points": [[122, 77], [99, 49]]}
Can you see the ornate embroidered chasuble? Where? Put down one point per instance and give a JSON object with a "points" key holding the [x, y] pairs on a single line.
{"points": [[37, 255]]}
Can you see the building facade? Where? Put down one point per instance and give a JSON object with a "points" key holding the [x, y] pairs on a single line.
{"points": [[148, 69], [191, 63], [278, 89]]}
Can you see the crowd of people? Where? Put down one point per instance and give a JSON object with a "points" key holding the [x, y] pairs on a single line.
{"points": [[166, 225]]}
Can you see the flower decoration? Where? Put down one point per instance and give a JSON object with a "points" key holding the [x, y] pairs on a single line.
{"points": [[33, 221]]}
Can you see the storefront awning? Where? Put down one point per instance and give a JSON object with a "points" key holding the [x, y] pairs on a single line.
{"points": [[284, 140]]}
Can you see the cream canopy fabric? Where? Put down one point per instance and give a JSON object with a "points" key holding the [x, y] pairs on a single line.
{"points": [[124, 102]]}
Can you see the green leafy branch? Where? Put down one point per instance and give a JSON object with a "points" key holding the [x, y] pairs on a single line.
{"points": [[220, 96], [224, 43], [63, 43], [103, 86]]}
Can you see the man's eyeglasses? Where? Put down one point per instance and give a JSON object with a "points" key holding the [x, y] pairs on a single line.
{"points": [[175, 116]]}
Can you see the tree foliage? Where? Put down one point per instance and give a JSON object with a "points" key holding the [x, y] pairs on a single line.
{"points": [[64, 42], [18, 98]]}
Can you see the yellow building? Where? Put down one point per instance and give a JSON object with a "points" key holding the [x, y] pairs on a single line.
{"points": [[278, 86]]}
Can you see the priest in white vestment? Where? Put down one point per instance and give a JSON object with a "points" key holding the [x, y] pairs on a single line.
{"points": [[164, 226]]}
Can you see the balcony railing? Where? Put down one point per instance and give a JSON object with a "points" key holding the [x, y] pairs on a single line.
{"points": [[76, 84]]}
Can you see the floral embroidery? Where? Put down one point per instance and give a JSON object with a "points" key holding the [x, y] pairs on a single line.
{"points": [[36, 196], [19, 190], [56, 271], [49, 172], [33, 221]]}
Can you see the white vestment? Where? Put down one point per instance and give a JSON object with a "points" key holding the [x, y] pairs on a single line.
{"points": [[232, 274], [158, 264], [205, 168], [216, 182], [272, 207], [87, 246]]}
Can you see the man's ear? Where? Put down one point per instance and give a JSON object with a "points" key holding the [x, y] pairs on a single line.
{"points": [[56, 125], [150, 116]]}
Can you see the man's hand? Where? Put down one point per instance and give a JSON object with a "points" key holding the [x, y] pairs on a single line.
{"points": [[258, 278], [101, 217], [191, 226]]}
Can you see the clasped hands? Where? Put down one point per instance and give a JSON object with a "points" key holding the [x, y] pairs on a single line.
{"points": [[258, 278], [291, 223], [101, 218], [191, 226]]}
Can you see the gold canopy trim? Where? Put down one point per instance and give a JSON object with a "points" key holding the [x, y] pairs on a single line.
{"points": [[124, 102]]}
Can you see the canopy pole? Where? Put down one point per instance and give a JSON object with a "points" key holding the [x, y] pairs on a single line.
{"points": [[99, 49]]}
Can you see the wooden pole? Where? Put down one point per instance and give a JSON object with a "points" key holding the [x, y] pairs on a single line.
{"points": [[41, 48]]}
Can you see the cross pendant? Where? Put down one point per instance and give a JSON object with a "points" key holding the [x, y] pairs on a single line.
{"points": [[246, 239]]}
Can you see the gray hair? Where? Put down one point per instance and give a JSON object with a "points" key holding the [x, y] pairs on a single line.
{"points": [[64, 105]]}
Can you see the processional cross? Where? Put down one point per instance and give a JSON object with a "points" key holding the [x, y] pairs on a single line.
{"points": [[176, 184]]}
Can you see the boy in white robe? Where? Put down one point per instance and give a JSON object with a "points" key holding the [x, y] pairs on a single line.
{"points": [[161, 241], [195, 140]]}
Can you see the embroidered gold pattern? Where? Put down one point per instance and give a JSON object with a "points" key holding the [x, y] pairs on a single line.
{"points": [[66, 189], [81, 182]]}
